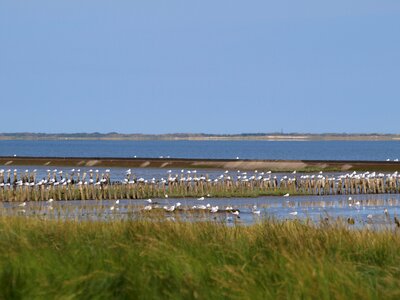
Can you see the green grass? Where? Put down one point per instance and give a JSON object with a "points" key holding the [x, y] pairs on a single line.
{"points": [[173, 260]]}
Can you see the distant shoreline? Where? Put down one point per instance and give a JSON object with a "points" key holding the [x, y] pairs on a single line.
{"points": [[200, 137]]}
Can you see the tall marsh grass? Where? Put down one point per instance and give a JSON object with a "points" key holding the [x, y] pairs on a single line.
{"points": [[175, 260]]}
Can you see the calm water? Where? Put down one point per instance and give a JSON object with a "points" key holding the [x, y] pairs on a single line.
{"points": [[366, 210], [312, 150]]}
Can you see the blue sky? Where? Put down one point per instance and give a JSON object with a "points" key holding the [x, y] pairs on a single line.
{"points": [[200, 66]]}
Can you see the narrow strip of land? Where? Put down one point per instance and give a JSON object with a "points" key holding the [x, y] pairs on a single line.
{"points": [[273, 136], [242, 164]]}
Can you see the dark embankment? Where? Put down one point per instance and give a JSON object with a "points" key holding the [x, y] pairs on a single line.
{"points": [[242, 164]]}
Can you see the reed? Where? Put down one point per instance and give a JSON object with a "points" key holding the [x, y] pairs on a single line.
{"points": [[176, 260]]}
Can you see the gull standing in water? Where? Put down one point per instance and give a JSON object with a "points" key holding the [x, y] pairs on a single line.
{"points": [[255, 210]]}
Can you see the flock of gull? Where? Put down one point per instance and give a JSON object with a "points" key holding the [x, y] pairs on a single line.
{"points": [[151, 205], [319, 184], [54, 178]]}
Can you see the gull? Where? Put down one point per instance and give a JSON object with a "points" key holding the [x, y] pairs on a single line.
{"points": [[112, 207], [117, 202], [50, 200], [166, 196], [149, 201], [214, 209], [147, 207], [286, 195], [23, 204], [294, 213], [201, 198], [170, 209], [236, 213], [386, 212], [255, 210]]}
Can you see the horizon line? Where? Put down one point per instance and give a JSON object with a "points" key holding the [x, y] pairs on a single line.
{"points": [[200, 133]]}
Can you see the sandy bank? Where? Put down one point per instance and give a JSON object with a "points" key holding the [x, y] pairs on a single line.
{"points": [[273, 165]]}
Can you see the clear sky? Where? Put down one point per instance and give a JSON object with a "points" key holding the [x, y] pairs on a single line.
{"points": [[207, 66]]}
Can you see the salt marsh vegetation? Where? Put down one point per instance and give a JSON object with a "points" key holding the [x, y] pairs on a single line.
{"points": [[134, 259]]}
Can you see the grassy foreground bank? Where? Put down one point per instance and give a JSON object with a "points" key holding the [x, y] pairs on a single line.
{"points": [[138, 259]]}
